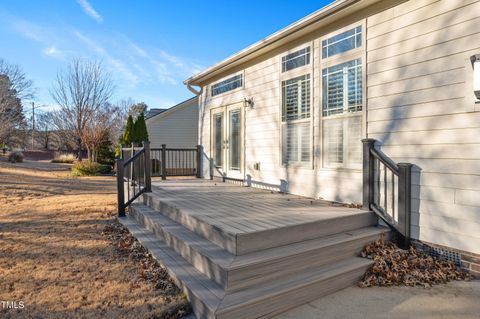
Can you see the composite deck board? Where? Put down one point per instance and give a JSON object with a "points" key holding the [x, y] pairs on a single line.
{"points": [[238, 210], [231, 216]]}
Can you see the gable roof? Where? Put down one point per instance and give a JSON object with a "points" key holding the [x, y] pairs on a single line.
{"points": [[166, 112], [152, 112], [328, 14]]}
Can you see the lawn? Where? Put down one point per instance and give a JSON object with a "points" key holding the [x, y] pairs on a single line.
{"points": [[59, 257]]}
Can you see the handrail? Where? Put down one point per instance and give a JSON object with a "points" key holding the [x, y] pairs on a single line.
{"points": [[385, 160], [387, 190], [134, 157], [134, 176]]}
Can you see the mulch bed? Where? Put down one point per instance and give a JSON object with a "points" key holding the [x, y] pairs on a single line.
{"points": [[148, 268], [397, 267]]}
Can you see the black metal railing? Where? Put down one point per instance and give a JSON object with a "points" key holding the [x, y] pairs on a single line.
{"points": [[387, 190], [166, 162], [133, 176]]}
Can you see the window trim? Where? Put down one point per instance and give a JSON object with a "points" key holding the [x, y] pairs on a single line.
{"points": [[338, 32], [210, 86], [287, 76], [357, 53], [304, 47]]}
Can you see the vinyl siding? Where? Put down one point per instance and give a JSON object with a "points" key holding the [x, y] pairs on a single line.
{"points": [[422, 110], [176, 129], [419, 105]]}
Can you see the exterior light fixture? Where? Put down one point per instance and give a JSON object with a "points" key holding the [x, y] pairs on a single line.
{"points": [[476, 74], [248, 102]]}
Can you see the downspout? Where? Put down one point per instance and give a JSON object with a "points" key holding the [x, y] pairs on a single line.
{"points": [[201, 116]]}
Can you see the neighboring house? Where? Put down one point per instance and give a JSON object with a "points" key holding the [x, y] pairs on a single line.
{"points": [[290, 111], [176, 127]]}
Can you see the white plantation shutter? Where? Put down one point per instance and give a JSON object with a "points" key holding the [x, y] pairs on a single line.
{"points": [[354, 148], [296, 142], [342, 120], [296, 133], [342, 142]]}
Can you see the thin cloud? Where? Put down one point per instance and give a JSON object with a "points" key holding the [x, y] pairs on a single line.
{"points": [[90, 11], [53, 52], [168, 67], [116, 65]]}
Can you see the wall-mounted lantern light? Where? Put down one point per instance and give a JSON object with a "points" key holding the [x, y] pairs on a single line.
{"points": [[476, 75], [248, 102]]}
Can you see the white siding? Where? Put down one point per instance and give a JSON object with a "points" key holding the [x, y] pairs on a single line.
{"points": [[421, 107], [177, 127], [262, 81]]}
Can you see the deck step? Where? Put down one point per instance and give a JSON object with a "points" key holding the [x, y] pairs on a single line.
{"points": [[204, 295], [210, 300], [249, 242], [238, 272]]}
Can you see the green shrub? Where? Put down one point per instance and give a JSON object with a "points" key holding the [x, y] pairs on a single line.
{"points": [[64, 158], [15, 157], [104, 169], [86, 168], [106, 155]]}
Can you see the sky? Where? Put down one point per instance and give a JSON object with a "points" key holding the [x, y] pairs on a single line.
{"points": [[149, 47]]}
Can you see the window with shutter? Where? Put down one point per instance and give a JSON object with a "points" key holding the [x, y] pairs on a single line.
{"points": [[296, 120], [342, 121]]}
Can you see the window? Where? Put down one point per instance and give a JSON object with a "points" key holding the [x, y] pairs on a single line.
{"points": [[342, 97], [227, 85], [342, 88], [296, 59], [341, 142], [296, 120], [296, 98], [342, 42]]}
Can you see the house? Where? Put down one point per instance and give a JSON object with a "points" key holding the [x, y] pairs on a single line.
{"points": [[176, 127], [368, 102], [291, 110]]}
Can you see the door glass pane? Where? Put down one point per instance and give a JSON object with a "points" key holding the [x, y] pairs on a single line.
{"points": [[217, 139], [235, 140]]}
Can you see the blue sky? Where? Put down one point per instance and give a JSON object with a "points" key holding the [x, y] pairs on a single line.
{"points": [[149, 47]]}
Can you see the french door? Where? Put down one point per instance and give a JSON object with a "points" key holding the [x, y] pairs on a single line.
{"points": [[227, 147]]}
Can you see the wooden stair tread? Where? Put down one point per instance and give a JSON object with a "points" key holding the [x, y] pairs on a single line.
{"points": [[214, 252], [211, 301], [180, 270], [265, 291]]}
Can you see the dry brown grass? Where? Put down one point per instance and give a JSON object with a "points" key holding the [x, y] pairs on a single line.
{"points": [[54, 258]]}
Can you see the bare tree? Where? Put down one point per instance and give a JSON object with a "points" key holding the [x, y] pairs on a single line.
{"points": [[46, 129], [124, 108], [98, 131], [80, 91], [14, 87]]}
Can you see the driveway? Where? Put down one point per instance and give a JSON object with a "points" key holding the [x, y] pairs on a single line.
{"points": [[457, 300]]}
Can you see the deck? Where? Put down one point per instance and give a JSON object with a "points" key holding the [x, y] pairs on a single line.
{"points": [[243, 252], [236, 217]]}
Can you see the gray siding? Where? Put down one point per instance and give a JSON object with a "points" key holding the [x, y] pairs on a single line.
{"points": [[176, 128]]}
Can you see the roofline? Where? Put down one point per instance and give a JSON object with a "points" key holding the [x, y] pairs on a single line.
{"points": [[173, 108], [326, 11]]}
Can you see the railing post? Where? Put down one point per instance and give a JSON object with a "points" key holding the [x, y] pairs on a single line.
{"points": [[199, 161], [212, 166], [368, 173], [121, 151], [148, 166], [404, 203], [120, 188], [164, 161]]}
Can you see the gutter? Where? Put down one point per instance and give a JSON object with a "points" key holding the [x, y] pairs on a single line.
{"points": [[316, 16]]}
